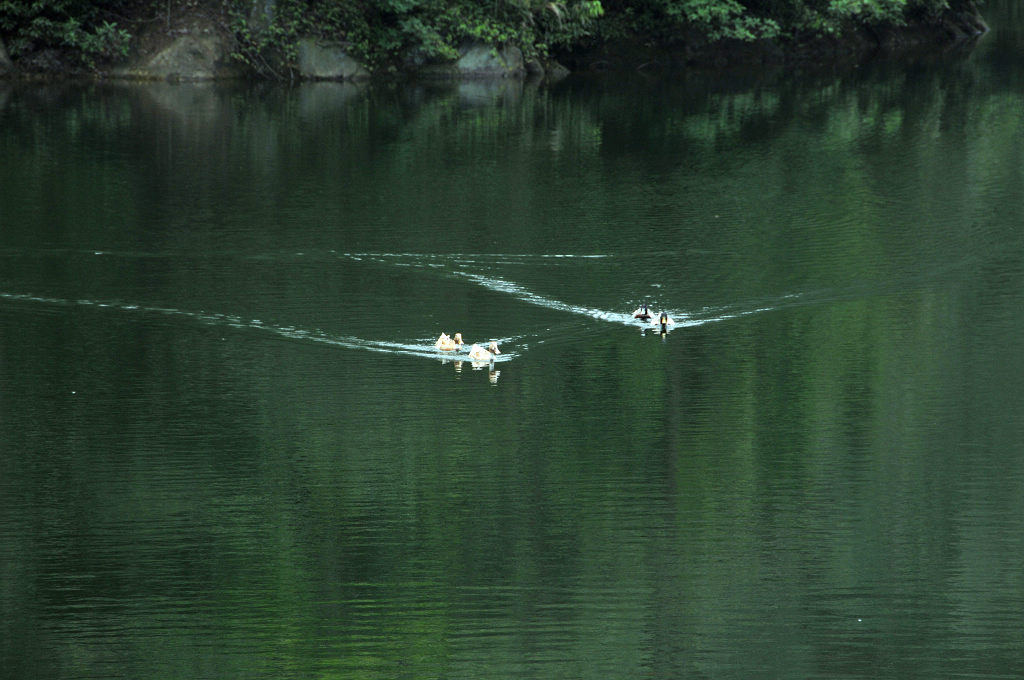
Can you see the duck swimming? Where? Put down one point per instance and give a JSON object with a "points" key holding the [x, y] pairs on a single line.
{"points": [[642, 312], [663, 320], [445, 343], [480, 354]]}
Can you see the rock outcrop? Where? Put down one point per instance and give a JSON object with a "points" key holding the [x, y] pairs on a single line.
{"points": [[480, 61], [317, 61], [200, 53], [197, 45]]}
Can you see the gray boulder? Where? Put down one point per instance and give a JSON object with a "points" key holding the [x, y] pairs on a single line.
{"points": [[481, 61], [556, 71], [327, 62], [195, 56]]}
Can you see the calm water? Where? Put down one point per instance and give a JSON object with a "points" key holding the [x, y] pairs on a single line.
{"points": [[229, 450]]}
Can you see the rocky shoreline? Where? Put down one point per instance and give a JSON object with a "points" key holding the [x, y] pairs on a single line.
{"points": [[199, 48]]}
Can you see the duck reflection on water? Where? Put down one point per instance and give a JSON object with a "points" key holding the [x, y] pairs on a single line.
{"points": [[492, 373]]}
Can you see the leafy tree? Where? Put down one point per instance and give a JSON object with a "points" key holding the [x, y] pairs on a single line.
{"points": [[78, 25], [721, 19], [385, 32], [392, 34]]}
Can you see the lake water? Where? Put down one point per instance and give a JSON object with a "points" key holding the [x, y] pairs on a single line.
{"points": [[228, 448]]}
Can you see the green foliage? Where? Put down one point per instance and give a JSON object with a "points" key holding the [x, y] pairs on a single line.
{"points": [[384, 33], [263, 45], [74, 25], [721, 19], [392, 34], [106, 40], [869, 11], [753, 19]]}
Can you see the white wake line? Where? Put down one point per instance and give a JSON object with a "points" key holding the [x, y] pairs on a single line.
{"points": [[427, 262], [449, 256], [524, 295], [425, 350], [298, 253]]}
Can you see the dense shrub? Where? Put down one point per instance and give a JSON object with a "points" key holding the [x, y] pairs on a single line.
{"points": [[383, 32], [81, 27], [391, 34]]}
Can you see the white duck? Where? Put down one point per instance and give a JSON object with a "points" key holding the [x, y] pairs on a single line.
{"points": [[663, 320], [445, 343], [480, 354]]}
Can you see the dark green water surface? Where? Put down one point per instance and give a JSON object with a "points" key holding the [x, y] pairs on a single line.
{"points": [[228, 448]]}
